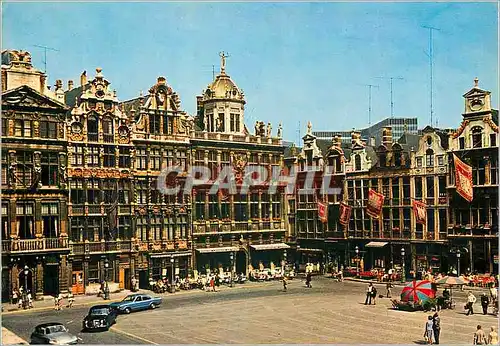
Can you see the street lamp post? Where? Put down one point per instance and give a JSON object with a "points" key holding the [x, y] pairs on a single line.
{"points": [[231, 258], [172, 283], [356, 249], [106, 287], [458, 262], [403, 274], [284, 263]]}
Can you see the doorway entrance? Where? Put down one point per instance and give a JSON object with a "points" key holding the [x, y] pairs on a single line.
{"points": [[51, 279]]}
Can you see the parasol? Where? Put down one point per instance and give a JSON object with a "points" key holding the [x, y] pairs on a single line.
{"points": [[418, 290], [452, 281]]}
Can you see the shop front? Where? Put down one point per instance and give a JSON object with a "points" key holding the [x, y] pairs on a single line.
{"points": [[211, 259], [269, 255]]}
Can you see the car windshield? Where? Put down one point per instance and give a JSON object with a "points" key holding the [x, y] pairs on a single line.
{"points": [[56, 329], [99, 311], [128, 299]]}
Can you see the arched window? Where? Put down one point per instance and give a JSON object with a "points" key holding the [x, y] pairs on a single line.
{"points": [[357, 162], [477, 137], [429, 158], [93, 128]]}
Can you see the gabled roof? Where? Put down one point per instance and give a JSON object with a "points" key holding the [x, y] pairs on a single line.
{"points": [[26, 96], [409, 141]]}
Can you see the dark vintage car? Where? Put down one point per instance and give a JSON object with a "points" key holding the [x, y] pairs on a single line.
{"points": [[136, 302], [53, 334], [100, 317]]}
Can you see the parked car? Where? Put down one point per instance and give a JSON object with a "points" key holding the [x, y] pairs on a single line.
{"points": [[100, 317], [136, 302], [53, 334]]}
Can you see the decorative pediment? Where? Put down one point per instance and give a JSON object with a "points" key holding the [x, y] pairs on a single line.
{"points": [[25, 96]]}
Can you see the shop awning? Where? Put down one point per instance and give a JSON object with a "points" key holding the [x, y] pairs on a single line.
{"points": [[167, 255], [376, 244], [276, 246], [309, 250], [218, 249]]}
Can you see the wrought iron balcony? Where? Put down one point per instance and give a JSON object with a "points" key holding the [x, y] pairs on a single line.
{"points": [[35, 245]]}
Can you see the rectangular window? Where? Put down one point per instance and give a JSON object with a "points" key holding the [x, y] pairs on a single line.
{"points": [[276, 205], [419, 162], [200, 205], [50, 220], [430, 222], [5, 127], [237, 121], [182, 160], [25, 220], [493, 140], [5, 221], [24, 168], [109, 190], [169, 159], [142, 191], [430, 186], [442, 221], [154, 124], [92, 156], [418, 187], [93, 191], [124, 229], [240, 207], [77, 156], [232, 127], [155, 158], [4, 173], [123, 157], [48, 129], [77, 195], [124, 192], [109, 156], [440, 160], [254, 206], [49, 163], [493, 170], [142, 159], [461, 142], [213, 206], [395, 191]]}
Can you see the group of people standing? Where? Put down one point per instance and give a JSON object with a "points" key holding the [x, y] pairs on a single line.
{"points": [[21, 298], [432, 329], [371, 294]]}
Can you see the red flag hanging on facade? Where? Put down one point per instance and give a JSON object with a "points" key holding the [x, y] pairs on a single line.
{"points": [[420, 210], [463, 179], [345, 214], [375, 202], [322, 212]]}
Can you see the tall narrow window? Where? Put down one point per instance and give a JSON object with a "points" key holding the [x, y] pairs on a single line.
{"points": [[232, 127], [124, 157], [477, 137], [155, 158], [357, 162], [50, 167], [109, 156], [77, 156], [50, 220], [93, 128], [200, 205], [254, 205], [25, 218], [77, 194], [238, 123], [5, 222], [142, 159], [154, 124], [240, 207], [92, 156], [107, 129], [493, 140], [48, 129], [429, 158], [461, 142], [24, 169], [93, 191]]}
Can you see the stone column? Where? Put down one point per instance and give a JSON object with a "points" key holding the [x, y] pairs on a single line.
{"points": [[86, 271]]}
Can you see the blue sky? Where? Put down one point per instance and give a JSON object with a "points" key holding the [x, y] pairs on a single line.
{"points": [[295, 61]]}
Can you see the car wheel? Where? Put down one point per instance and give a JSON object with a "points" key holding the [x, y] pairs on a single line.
{"points": [[127, 310], [152, 306]]}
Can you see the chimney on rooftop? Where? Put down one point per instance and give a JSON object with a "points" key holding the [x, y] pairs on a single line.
{"points": [[70, 85], [387, 136], [83, 78]]}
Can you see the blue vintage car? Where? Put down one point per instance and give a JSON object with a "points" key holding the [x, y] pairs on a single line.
{"points": [[136, 302]]}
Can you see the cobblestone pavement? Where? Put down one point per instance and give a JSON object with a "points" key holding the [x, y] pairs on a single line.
{"points": [[330, 312]]}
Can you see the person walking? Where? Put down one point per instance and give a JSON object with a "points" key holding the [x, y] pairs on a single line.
{"points": [[436, 327], [285, 282], [493, 337], [15, 296], [479, 336], [485, 301], [308, 280], [374, 295], [132, 288], [368, 300], [429, 331], [29, 299], [71, 299], [389, 288], [471, 299]]}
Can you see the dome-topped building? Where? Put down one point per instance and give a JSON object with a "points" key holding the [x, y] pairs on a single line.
{"points": [[221, 107]]}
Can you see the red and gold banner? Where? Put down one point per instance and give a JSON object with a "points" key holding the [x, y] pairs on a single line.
{"points": [[375, 202], [322, 212], [345, 214], [420, 210], [463, 179]]}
